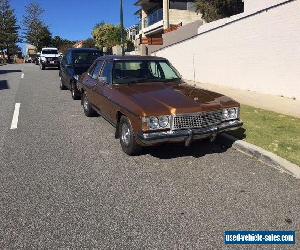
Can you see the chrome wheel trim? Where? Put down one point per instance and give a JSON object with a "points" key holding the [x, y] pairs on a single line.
{"points": [[125, 134], [85, 103]]}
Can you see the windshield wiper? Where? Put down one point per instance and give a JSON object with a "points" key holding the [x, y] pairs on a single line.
{"points": [[173, 79]]}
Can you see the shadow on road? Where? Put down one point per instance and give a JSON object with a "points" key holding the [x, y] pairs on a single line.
{"points": [[197, 149], [3, 85], [9, 71]]}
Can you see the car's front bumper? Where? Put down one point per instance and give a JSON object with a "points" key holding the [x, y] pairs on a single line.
{"points": [[187, 135], [49, 64]]}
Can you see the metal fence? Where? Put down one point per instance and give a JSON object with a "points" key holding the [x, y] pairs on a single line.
{"points": [[154, 17]]}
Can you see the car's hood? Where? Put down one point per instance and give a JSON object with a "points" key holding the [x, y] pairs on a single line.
{"points": [[162, 98]]}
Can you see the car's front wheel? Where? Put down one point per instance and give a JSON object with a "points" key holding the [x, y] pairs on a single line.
{"points": [[87, 107], [74, 92], [42, 67], [127, 137], [61, 85]]}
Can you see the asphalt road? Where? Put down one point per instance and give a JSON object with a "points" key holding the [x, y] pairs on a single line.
{"points": [[65, 182]]}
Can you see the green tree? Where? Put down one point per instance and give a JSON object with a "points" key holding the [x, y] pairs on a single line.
{"points": [[57, 41], [45, 37], [89, 43], [8, 29], [107, 35], [36, 32], [212, 10], [62, 44]]}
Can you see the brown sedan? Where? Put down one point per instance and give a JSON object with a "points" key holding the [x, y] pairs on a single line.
{"points": [[148, 103]]}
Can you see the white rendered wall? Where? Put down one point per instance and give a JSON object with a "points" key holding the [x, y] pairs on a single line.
{"points": [[260, 52]]}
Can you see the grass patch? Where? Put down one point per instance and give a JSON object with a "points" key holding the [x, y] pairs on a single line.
{"points": [[274, 132]]}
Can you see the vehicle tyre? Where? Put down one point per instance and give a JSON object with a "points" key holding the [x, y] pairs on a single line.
{"points": [[127, 137], [42, 67], [74, 92], [61, 85], [87, 107]]}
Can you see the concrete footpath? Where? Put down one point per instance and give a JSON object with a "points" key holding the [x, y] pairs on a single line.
{"points": [[277, 104]]}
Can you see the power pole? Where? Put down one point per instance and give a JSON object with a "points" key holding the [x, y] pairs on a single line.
{"points": [[122, 27]]}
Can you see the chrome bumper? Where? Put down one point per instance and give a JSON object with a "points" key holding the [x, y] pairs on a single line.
{"points": [[187, 135]]}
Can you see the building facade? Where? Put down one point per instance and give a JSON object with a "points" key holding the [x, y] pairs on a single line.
{"points": [[161, 16]]}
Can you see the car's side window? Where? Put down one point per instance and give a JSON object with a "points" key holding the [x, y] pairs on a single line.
{"points": [[68, 58], [107, 72], [97, 69]]}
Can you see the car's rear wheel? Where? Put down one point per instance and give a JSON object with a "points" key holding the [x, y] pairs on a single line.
{"points": [[61, 85], [87, 107], [74, 92], [127, 137]]}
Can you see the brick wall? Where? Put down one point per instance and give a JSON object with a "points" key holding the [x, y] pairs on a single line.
{"points": [[258, 51]]}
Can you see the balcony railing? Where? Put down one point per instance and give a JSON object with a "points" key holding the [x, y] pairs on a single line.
{"points": [[153, 18]]}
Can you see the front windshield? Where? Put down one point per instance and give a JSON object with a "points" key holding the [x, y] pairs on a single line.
{"points": [[85, 57], [125, 72], [50, 51]]}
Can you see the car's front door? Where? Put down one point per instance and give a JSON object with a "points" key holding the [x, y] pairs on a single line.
{"points": [[66, 69], [63, 69]]}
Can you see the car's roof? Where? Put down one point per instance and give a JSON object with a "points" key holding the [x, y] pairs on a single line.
{"points": [[83, 49], [130, 57]]}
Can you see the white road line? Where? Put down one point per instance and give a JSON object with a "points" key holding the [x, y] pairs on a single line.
{"points": [[14, 122], [22, 76]]}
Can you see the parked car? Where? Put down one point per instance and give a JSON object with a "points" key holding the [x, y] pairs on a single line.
{"points": [[49, 58], [148, 103], [73, 64]]}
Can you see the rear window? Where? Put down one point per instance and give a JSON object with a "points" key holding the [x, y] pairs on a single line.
{"points": [[85, 57]]}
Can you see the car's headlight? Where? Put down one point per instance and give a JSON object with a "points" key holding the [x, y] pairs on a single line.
{"points": [[230, 114], [43, 58], [155, 123], [163, 121]]}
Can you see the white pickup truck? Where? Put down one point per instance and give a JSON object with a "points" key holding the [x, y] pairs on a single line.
{"points": [[49, 57]]}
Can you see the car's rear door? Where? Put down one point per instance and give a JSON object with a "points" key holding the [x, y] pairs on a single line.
{"points": [[92, 80], [103, 91]]}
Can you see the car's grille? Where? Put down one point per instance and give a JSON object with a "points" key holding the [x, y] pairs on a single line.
{"points": [[199, 120], [51, 58]]}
